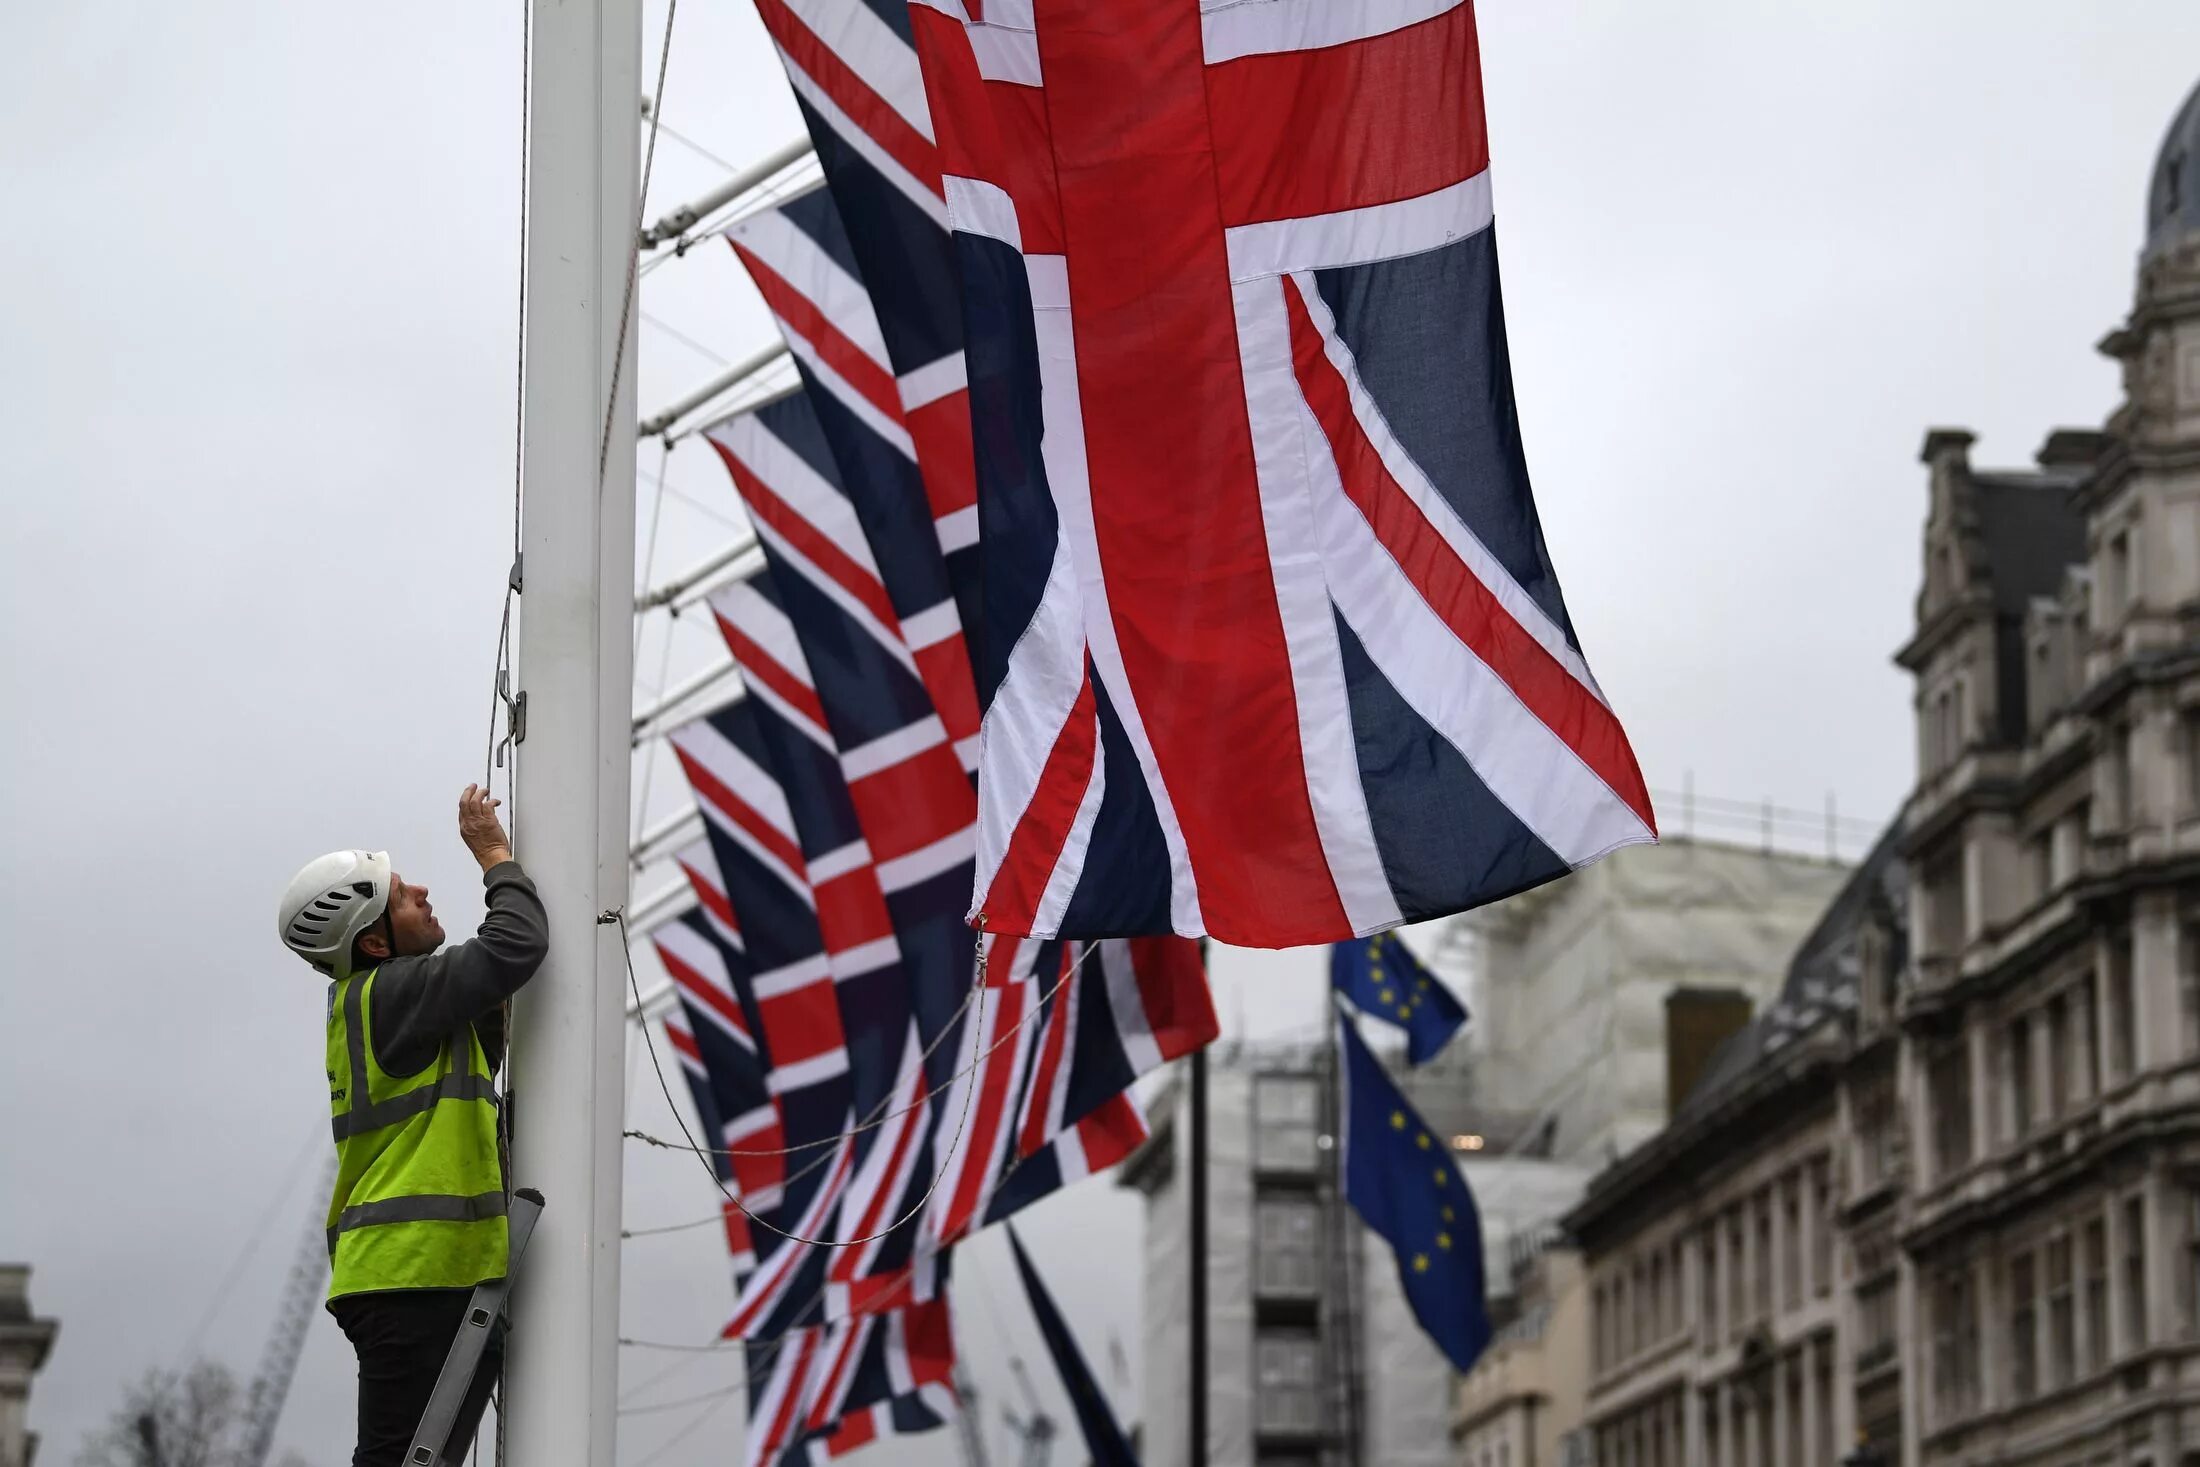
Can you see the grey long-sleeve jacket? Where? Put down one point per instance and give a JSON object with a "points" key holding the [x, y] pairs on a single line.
{"points": [[417, 1002]]}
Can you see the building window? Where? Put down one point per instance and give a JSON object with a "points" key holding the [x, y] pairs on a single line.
{"points": [[2123, 814], [1791, 1243], [1598, 1361], [2023, 1329], [1287, 1379], [1657, 1296], [2123, 1010], [1875, 1304], [2089, 1037], [1710, 1284], [2188, 983], [2188, 749], [2192, 1266], [1285, 1110], [2058, 1055], [1879, 1124], [1287, 1258], [2062, 1315], [1737, 1282], [1764, 1254], [1822, 1228], [1795, 1438], [1711, 1427], [1950, 1083], [2018, 1051], [2039, 864], [1944, 919], [2135, 1273], [2116, 577], [1955, 1347], [2096, 1295], [1675, 1288]]}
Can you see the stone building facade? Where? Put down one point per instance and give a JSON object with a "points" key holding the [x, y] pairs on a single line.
{"points": [[2046, 1240], [1940, 1202], [25, 1341], [1520, 1404]]}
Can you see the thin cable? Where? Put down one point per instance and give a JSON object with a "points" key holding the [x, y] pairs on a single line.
{"points": [[684, 339], [688, 1430], [716, 1347], [633, 254], [644, 1410], [713, 1220], [969, 1094], [695, 147]]}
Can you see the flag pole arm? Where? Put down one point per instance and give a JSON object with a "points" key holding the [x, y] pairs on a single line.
{"points": [[679, 221]]}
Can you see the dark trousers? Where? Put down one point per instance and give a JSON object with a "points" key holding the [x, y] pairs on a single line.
{"points": [[401, 1337]]}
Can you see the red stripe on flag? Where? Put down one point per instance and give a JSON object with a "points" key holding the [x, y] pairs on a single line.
{"points": [[752, 1173], [768, 508], [1175, 501], [802, 48], [713, 900], [766, 669], [700, 990], [996, 131], [1395, 116], [851, 910], [1172, 988], [1476, 617], [803, 1024], [799, 315], [728, 802], [980, 1153], [921, 801], [940, 429], [1039, 1094], [859, 1430], [929, 1333], [944, 668], [1111, 1133], [683, 1041], [1042, 831], [782, 1423]]}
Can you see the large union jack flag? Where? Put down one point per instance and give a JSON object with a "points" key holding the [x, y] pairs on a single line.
{"points": [[1273, 649]]}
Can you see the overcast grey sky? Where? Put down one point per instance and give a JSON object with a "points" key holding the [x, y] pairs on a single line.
{"points": [[256, 340]]}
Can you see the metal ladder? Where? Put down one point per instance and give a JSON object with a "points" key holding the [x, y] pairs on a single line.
{"points": [[461, 1392]]}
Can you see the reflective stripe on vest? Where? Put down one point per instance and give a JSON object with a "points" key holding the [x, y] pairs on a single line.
{"points": [[419, 1201]]}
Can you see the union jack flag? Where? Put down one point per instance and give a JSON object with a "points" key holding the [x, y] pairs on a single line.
{"points": [[1273, 649]]}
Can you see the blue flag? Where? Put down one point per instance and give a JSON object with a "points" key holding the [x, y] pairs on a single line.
{"points": [[1399, 1175], [1104, 1440], [1383, 980]]}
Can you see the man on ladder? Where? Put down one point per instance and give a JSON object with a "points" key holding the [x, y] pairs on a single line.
{"points": [[415, 1035]]}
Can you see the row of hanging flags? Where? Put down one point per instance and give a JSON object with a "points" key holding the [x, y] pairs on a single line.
{"points": [[1149, 554]]}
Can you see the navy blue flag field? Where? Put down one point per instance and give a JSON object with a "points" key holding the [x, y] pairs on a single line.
{"points": [[1105, 1443], [1381, 978], [1400, 1177]]}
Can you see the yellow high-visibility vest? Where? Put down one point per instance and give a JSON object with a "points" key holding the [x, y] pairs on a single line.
{"points": [[419, 1201]]}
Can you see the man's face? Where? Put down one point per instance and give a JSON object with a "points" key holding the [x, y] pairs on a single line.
{"points": [[412, 919]]}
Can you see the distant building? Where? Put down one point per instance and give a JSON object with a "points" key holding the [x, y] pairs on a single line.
{"points": [[1571, 982], [1716, 1318], [1521, 1405], [1314, 1356], [24, 1343]]}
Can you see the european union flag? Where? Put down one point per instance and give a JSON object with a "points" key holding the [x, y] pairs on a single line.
{"points": [[1385, 981], [1399, 1175]]}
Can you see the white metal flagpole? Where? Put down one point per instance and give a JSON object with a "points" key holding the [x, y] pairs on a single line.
{"points": [[575, 670]]}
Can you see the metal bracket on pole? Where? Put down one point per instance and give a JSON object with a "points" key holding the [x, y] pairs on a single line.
{"points": [[456, 1401]]}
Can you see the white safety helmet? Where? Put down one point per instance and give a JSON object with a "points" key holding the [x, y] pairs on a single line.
{"points": [[331, 900]]}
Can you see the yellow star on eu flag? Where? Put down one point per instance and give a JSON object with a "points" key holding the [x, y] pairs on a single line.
{"points": [[1443, 1177], [1421, 1140], [1448, 1215], [1420, 1263], [1443, 1241], [1387, 996], [1397, 1120]]}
